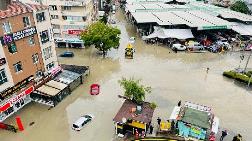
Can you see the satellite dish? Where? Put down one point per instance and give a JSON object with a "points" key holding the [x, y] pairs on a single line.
{"points": [[124, 120]]}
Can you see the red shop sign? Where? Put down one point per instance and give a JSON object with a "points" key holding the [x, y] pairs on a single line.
{"points": [[74, 32], [15, 99]]}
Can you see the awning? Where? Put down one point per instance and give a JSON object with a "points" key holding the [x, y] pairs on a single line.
{"points": [[215, 125], [170, 33], [175, 113], [242, 29]]}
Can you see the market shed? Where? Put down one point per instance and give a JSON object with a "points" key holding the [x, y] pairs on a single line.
{"points": [[132, 116], [51, 93]]}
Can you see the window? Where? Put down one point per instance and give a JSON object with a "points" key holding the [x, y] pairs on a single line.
{"points": [[3, 77], [53, 7], [56, 35], [26, 21], [54, 17], [12, 48], [66, 7], [31, 40], [64, 17], [35, 58], [50, 66], [6, 27], [44, 36], [40, 17], [47, 52], [55, 26], [39, 73], [18, 67]]}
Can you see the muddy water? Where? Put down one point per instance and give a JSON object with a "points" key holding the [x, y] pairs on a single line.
{"points": [[173, 77]]}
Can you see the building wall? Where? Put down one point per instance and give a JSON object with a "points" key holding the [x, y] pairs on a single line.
{"points": [[42, 26], [9, 82], [24, 50]]}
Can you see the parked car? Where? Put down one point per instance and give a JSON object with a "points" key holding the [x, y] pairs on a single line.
{"points": [[67, 54], [178, 47], [224, 42], [195, 46], [213, 48], [82, 121]]}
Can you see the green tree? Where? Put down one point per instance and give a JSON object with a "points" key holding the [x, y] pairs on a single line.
{"points": [[102, 36], [134, 90], [104, 19], [240, 6]]}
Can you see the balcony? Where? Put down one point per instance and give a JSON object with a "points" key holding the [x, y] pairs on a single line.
{"points": [[2, 61], [70, 13]]}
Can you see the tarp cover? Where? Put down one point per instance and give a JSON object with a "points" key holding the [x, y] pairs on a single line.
{"points": [[170, 33]]}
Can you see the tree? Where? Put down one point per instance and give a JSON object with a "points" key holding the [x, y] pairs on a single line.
{"points": [[134, 90], [104, 18], [240, 6], [102, 36]]}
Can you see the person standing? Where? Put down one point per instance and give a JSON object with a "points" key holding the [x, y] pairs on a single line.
{"points": [[179, 103], [158, 121], [151, 129], [223, 135]]}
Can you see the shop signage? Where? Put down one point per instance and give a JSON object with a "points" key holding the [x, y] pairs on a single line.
{"points": [[56, 70], [16, 88], [16, 98], [24, 33], [214, 27], [74, 41], [74, 32], [2, 61]]}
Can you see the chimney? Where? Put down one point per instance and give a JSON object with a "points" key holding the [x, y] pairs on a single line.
{"points": [[4, 4]]}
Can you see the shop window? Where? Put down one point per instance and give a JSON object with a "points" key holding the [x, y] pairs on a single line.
{"points": [[66, 7], [18, 67], [31, 40], [44, 36], [26, 21], [35, 58], [40, 17], [54, 17], [9, 111], [3, 77], [53, 7], [6, 27]]}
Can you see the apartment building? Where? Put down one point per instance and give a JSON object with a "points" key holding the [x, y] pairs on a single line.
{"points": [[23, 41], [69, 18]]}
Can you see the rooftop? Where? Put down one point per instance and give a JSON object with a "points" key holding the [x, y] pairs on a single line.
{"points": [[75, 68], [125, 112], [18, 8]]}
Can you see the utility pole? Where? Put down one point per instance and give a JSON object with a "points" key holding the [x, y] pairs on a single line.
{"points": [[247, 61]]}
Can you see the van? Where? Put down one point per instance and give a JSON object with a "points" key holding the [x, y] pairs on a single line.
{"points": [[81, 122]]}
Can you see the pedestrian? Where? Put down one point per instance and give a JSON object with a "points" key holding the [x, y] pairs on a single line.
{"points": [[207, 69], [151, 129], [143, 134], [172, 125], [136, 134], [158, 121], [223, 135], [179, 103]]}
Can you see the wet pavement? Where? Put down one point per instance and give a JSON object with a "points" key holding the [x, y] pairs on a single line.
{"points": [[173, 77]]}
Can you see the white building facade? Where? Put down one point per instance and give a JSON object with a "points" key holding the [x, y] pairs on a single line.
{"points": [[45, 34], [69, 19]]}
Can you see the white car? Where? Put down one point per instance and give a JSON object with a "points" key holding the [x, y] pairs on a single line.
{"points": [[82, 121], [179, 47]]}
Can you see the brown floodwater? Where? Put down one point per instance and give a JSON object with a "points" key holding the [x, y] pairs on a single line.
{"points": [[172, 76]]}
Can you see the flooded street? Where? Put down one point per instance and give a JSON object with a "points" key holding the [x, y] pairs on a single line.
{"points": [[173, 77]]}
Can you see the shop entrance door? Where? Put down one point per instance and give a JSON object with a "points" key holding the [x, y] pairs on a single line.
{"points": [[127, 128], [8, 127]]}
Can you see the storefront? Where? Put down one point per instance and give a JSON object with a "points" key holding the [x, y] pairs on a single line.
{"points": [[130, 118], [51, 93], [69, 43], [15, 102]]}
